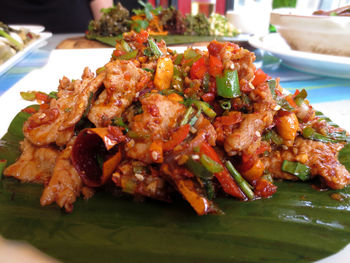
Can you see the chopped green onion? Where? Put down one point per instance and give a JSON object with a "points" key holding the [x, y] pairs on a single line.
{"points": [[311, 134], [195, 118], [228, 85], [205, 108], [2, 166], [225, 104], [28, 95], [211, 165], [187, 116], [119, 122], [282, 102], [99, 70], [300, 170], [190, 54], [125, 46], [243, 184], [135, 135], [198, 169], [53, 94], [13, 42], [129, 55], [271, 135], [154, 48], [148, 70], [178, 59], [299, 99]]}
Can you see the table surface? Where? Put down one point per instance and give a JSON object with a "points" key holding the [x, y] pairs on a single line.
{"points": [[327, 94]]}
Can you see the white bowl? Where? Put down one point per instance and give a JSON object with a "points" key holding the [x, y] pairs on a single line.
{"points": [[318, 34]]}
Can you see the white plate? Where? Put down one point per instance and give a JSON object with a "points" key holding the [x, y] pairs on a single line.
{"points": [[21, 54], [32, 28], [326, 65]]}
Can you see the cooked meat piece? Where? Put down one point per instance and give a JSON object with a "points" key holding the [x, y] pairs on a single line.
{"points": [[160, 114], [35, 165], [65, 184], [320, 157], [248, 136], [123, 81], [56, 124], [204, 125], [159, 117], [240, 60]]}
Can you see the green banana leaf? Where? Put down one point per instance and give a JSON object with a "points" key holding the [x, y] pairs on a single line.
{"points": [[169, 39], [298, 224]]}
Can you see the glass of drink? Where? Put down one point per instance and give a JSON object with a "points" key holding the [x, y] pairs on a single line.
{"points": [[206, 7]]}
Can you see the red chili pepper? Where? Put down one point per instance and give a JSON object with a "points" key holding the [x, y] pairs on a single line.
{"points": [[215, 66], [260, 77], [198, 69], [225, 179], [42, 97], [215, 47], [142, 37], [177, 137], [233, 117], [208, 97]]}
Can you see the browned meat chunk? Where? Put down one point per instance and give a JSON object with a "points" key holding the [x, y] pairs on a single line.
{"points": [[35, 165], [56, 124], [123, 82], [65, 185], [320, 157]]}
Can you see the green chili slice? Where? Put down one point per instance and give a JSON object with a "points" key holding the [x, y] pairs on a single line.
{"points": [[311, 134], [178, 59], [198, 169], [299, 99], [300, 170], [154, 48], [225, 104], [205, 108], [211, 165], [128, 55], [227, 85], [125, 46], [28, 95]]}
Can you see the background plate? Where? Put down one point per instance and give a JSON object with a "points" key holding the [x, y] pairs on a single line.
{"points": [[326, 65], [21, 54]]}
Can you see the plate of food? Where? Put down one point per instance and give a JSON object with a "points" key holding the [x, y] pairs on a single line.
{"points": [[16, 41], [170, 155], [168, 24], [319, 64]]}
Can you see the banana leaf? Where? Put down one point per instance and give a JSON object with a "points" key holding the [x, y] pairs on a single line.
{"points": [[298, 224], [169, 39]]}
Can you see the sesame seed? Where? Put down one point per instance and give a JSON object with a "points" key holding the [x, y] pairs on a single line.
{"points": [[139, 177]]}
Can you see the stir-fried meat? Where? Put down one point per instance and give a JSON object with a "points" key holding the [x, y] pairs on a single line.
{"points": [[320, 157], [205, 126], [240, 60], [35, 165], [65, 184], [123, 81], [56, 124], [159, 117], [248, 136], [136, 178], [160, 114]]}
